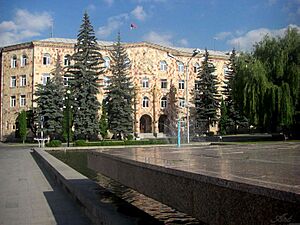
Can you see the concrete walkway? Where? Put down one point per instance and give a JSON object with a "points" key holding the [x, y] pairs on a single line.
{"points": [[28, 196]]}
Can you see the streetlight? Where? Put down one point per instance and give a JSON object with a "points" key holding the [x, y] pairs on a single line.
{"points": [[67, 107], [195, 52]]}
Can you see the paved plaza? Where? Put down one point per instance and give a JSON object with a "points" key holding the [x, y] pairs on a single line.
{"points": [[29, 197], [274, 165]]}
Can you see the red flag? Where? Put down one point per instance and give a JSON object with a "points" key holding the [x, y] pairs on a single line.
{"points": [[133, 26]]}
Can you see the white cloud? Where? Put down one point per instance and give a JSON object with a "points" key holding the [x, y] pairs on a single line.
{"points": [[139, 13], [109, 2], [113, 23], [24, 25], [247, 41], [222, 35], [272, 2], [163, 39], [183, 42]]}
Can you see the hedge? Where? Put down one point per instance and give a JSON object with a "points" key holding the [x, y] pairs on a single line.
{"points": [[54, 143]]}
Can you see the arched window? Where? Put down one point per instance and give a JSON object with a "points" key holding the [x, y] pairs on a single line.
{"points": [[145, 82], [106, 62], [196, 67], [145, 102], [24, 60], [13, 62], [67, 60], [46, 59], [163, 65], [180, 67], [163, 102]]}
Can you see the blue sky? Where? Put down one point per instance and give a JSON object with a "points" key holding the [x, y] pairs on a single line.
{"points": [[215, 24]]}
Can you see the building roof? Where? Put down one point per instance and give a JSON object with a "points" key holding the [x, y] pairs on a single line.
{"points": [[109, 43]]}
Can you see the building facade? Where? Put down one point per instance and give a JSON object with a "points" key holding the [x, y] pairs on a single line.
{"points": [[152, 70]]}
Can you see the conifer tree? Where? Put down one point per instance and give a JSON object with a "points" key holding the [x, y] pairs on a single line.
{"points": [[119, 93], [103, 124], [50, 102], [234, 118], [84, 74], [207, 96], [223, 119], [22, 121], [172, 112]]}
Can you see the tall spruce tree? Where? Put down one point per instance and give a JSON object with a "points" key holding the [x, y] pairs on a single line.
{"points": [[50, 102], [172, 111], [84, 74], [120, 93], [207, 98], [234, 116]]}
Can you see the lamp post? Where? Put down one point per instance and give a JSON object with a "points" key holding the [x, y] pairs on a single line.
{"points": [[195, 52], [68, 116]]}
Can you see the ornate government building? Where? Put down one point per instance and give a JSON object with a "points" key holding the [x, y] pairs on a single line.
{"points": [[153, 69]]}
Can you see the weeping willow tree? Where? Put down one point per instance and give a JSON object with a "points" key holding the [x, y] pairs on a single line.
{"points": [[267, 84]]}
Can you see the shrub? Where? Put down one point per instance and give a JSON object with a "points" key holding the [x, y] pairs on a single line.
{"points": [[130, 137], [80, 143], [54, 143]]}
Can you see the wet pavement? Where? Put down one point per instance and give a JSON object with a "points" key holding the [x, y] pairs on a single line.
{"points": [[275, 165]]}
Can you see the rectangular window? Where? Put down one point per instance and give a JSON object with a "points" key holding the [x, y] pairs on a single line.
{"points": [[23, 80], [14, 62], [46, 59], [23, 60], [12, 101], [66, 81], [181, 85], [13, 81], [164, 83], [45, 78], [22, 100], [145, 83], [182, 102]]}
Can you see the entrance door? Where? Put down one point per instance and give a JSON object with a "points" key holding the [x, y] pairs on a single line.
{"points": [[146, 124]]}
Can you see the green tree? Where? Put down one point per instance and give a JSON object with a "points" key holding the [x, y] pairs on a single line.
{"points": [[22, 121], [50, 102], [103, 124], [223, 122], [234, 116], [207, 98], [268, 82], [119, 93], [172, 111], [84, 74]]}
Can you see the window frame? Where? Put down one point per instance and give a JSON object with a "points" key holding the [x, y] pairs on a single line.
{"points": [[13, 81], [106, 62], [163, 65], [47, 76], [46, 59], [23, 80], [67, 60], [163, 102], [22, 100], [196, 67], [145, 82], [13, 63], [180, 67], [145, 102], [181, 102], [181, 84], [13, 101], [24, 60], [163, 83]]}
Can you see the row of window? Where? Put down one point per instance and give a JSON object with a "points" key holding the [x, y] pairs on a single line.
{"points": [[164, 66], [13, 101], [23, 61], [13, 81], [46, 60], [163, 102], [163, 83]]}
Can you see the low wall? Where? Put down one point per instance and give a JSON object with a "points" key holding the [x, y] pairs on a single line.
{"points": [[210, 199], [86, 193]]}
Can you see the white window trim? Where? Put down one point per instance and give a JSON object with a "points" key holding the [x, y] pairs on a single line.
{"points": [[181, 84], [163, 66], [24, 60], [163, 102], [180, 67], [182, 102], [13, 82], [145, 102], [23, 80], [145, 82], [13, 63], [22, 100], [13, 101], [45, 78], [165, 81], [48, 61]]}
